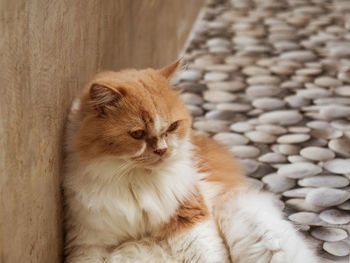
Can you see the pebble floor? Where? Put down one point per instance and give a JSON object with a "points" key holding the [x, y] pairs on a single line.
{"points": [[271, 80]]}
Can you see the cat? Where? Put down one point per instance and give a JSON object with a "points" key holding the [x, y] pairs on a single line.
{"points": [[140, 186]]}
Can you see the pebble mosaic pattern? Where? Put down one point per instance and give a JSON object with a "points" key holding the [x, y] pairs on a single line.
{"points": [[271, 80]]}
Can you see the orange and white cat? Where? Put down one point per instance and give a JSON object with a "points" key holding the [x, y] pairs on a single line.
{"points": [[141, 187]]}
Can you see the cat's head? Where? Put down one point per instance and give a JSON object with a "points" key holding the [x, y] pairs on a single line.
{"points": [[133, 115]]}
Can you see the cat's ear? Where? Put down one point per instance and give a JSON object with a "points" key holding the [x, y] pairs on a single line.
{"points": [[102, 96], [168, 71]]}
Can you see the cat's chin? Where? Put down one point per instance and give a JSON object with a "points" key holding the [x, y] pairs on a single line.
{"points": [[154, 164]]}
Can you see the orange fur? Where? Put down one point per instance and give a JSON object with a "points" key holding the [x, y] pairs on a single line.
{"points": [[216, 161], [192, 211]]}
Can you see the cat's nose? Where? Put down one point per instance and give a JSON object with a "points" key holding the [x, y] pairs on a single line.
{"points": [[160, 152]]}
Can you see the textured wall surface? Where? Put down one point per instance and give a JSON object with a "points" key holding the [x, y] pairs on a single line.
{"points": [[49, 49]]}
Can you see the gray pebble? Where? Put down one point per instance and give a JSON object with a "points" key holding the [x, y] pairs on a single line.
{"points": [[255, 183], [263, 79], [339, 249], [213, 126], [282, 70], [340, 146], [288, 149], [262, 170], [299, 170], [268, 103], [190, 75], [272, 129], [305, 218], [254, 112], [297, 159], [234, 107], [314, 93], [343, 91], [300, 55], [326, 197], [329, 234], [218, 42], [207, 60], [218, 96], [326, 133], [315, 142], [345, 205], [297, 192], [194, 110], [324, 181], [219, 50], [239, 61], [245, 40], [341, 124], [309, 71], [260, 137], [338, 166], [300, 204], [241, 127], [332, 100], [277, 184], [317, 153], [220, 115], [245, 151], [335, 111], [262, 90], [286, 46], [335, 216], [291, 84], [250, 166], [209, 106], [191, 98], [327, 81], [286, 117], [226, 85], [299, 129], [215, 76], [255, 70], [296, 101], [230, 139], [272, 157], [293, 138], [221, 67]]}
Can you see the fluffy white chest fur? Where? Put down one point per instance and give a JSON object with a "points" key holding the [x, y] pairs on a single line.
{"points": [[113, 201]]}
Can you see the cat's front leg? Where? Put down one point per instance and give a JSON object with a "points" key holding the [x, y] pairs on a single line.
{"points": [[255, 231], [199, 244]]}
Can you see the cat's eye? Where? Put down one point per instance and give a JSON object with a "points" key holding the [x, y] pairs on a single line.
{"points": [[138, 134], [173, 126]]}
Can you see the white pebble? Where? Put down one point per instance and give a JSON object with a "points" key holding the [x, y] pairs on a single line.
{"points": [[286, 117], [276, 183], [245, 151], [329, 234], [335, 216], [230, 139], [339, 249], [338, 166], [317, 153], [299, 170], [260, 137], [326, 197], [293, 138]]}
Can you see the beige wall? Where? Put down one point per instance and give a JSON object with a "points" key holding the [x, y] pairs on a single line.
{"points": [[49, 49]]}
